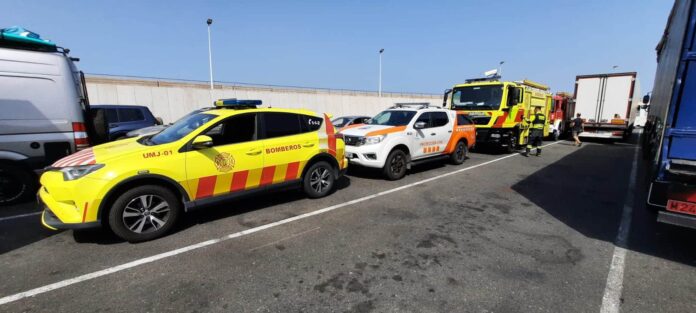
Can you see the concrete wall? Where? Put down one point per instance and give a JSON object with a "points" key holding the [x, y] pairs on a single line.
{"points": [[172, 99]]}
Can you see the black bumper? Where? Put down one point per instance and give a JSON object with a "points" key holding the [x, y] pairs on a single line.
{"points": [[682, 220]]}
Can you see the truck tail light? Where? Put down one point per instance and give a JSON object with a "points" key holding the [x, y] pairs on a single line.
{"points": [[80, 136]]}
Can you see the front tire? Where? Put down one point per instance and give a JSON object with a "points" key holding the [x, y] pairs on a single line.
{"points": [[459, 155], [395, 166], [512, 144], [144, 213], [16, 184], [319, 180]]}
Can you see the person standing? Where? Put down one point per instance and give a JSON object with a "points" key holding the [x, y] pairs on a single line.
{"points": [[536, 132], [578, 128]]}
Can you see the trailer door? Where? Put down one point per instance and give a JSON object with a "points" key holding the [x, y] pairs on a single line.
{"points": [[587, 97], [617, 98]]}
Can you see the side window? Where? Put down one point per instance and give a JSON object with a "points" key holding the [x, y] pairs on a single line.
{"points": [[361, 120], [130, 115], [439, 119], [311, 123], [463, 120], [235, 129], [281, 124], [426, 118], [111, 115]]}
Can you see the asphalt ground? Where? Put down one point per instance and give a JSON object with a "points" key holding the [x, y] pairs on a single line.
{"points": [[508, 234]]}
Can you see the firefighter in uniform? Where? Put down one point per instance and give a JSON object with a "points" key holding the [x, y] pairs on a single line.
{"points": [[536, 132]]}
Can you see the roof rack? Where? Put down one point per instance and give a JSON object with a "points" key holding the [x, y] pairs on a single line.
{"points": [[418, 105], [233, 103]]}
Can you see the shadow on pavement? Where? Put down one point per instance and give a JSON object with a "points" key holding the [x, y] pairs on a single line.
{"points": [[586, 190], [208, 214], [21, 231]]}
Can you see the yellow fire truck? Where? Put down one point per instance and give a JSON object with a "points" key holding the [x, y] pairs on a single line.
{"points": [[500, 109]]}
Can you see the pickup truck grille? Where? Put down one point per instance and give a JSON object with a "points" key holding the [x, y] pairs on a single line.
{"points": [[351, 140]]}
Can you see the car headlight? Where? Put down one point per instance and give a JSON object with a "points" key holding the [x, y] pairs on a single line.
{"points": [[374, 139], [75, 172]]}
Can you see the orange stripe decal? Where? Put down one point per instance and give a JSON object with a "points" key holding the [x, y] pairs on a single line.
{"points": [[84, 213], [385, 131], [239, 180], [291, 173], [206, 186], [267, 175], [331, 133]]}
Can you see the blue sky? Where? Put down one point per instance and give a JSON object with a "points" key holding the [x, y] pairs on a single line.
{"points": [[429, 45]]}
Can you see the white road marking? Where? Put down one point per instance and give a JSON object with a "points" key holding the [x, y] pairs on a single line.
{"points": [[611, 301], [284, 239], [18, 216], [156, 257]]}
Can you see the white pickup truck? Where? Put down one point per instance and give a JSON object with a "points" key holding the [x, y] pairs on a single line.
{"points": [[407, 134]]}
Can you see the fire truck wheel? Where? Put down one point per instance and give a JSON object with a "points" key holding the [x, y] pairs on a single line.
{"points": [[395, 167], [459, 154], [512, 144]]}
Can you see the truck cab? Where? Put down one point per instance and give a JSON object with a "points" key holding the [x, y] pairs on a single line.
{"points": [[500, 109]]}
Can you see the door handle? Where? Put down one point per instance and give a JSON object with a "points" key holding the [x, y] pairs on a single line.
{"points": [[254, 152], [308, 144], [449, 131], [433, 134]]}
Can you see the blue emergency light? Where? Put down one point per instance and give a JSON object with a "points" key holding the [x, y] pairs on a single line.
{"points": [[235, 103]]}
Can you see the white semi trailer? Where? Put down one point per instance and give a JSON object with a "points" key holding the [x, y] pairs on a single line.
{"points": [[608, 104]]}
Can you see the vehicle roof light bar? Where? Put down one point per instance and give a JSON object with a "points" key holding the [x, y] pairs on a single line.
{"points": [[483, 79], [234, 103]]}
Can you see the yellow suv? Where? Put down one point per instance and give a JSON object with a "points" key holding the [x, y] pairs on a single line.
{"points": [[140, 186]]}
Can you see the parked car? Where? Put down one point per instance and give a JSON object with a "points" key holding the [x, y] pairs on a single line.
{"points": [[151, 130], [139, 187], [122, 119], [345, 121], [44, 108], [408, 134]]}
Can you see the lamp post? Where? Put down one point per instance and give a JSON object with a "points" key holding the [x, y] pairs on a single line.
{"points": [[500, 68], [380, 71], [210, 60]]}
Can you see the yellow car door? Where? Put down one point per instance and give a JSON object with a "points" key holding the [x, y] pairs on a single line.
{"points": [[232, 163], [290, 140]]}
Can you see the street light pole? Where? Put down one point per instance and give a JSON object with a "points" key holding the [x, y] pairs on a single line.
{"points": [[380, 72], [500, 68], [210, 60]]}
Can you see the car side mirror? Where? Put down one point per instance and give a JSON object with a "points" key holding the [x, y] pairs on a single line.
{"points": [[646, 99], [159, 121], [202, 142], [419, 125], [519, 94]]}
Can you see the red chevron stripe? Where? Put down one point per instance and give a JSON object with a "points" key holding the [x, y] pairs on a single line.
{"points": [[206, 186], [291, 173], [267, 175], [239, 181]]}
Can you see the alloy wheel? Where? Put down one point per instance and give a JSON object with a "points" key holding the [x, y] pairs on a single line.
{"points": [[319, 179], [146, 213]]}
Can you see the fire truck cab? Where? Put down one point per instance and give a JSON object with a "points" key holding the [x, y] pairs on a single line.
{"points": [[500, 109]]}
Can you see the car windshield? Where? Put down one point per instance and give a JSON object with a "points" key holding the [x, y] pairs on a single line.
{"points": [[340, 122], [181, 128], [477, 97], [393, 118]]}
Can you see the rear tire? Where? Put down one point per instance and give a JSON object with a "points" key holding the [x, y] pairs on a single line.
{"points": [[16, 184], [459, 154], [144, 213], [395, 165], [319, 180]]}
